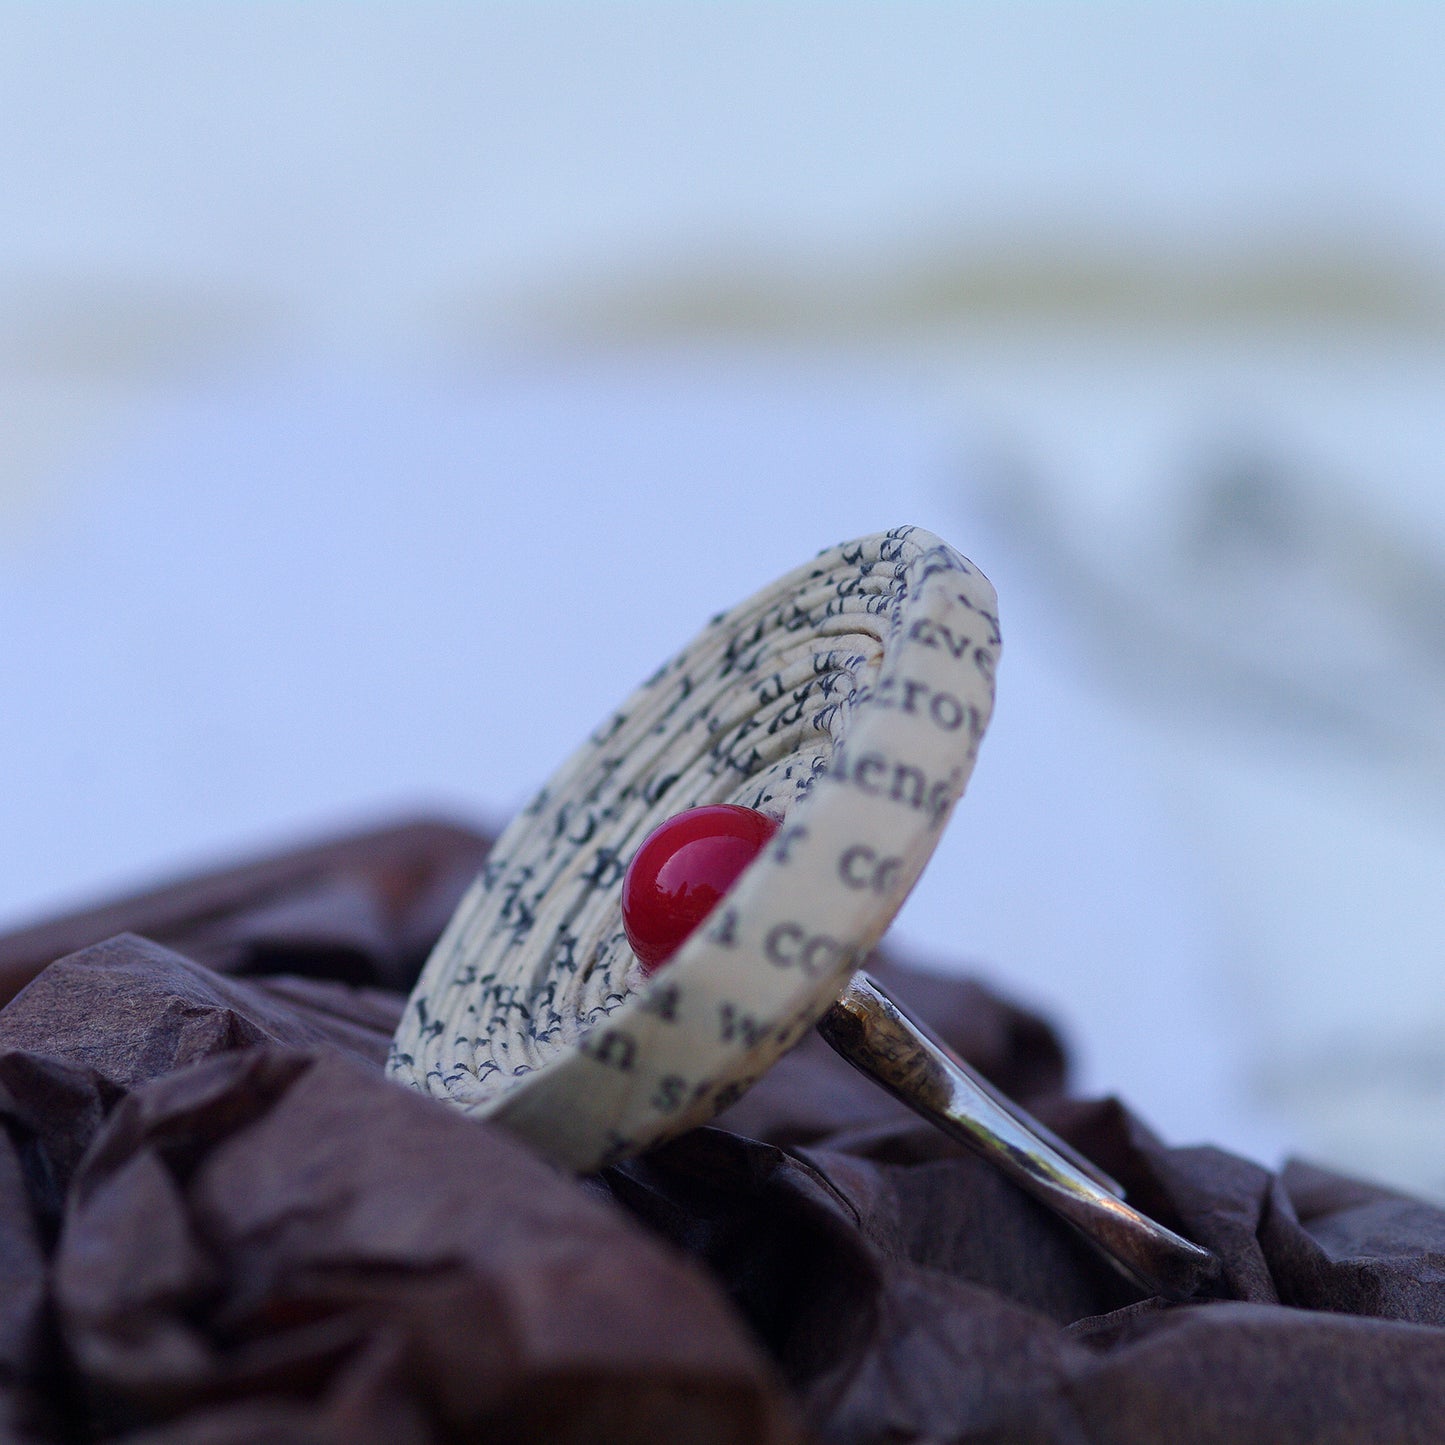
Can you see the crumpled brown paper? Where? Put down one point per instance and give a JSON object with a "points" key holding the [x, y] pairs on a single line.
{"points": [[219, 1223]]}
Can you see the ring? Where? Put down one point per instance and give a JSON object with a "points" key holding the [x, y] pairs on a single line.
{"points": [[847, 700]]}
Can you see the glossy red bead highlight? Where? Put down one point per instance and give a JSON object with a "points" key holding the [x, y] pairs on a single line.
{"points": [[682, 870]]}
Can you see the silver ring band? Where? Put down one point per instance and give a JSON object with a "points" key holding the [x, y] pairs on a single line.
{"points": [[870, 1029]]}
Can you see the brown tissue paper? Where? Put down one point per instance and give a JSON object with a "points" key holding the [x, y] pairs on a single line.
{"points": [[219, 1223]]}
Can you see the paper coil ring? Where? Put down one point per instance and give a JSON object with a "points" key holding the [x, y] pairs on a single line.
{"points": [[847, 699]]}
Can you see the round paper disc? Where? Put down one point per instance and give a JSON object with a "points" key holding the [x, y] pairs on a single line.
{"points": [[848, 700]]}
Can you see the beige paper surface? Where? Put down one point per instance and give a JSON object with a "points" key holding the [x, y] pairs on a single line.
{"points": [[848, 699]]}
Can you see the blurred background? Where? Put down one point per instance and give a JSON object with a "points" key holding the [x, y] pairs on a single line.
{"points": [[385, 390]]}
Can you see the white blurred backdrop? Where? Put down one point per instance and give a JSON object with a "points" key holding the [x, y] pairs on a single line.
{"points": [[385, 390]]}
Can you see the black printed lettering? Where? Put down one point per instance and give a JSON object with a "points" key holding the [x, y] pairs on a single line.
{"points": [[860, 867], [946, 711], [733, 1023], [613, 1049], [865, 768], [661, 1001], [780, 946], [939, 634], [909, 785], [724, 932]]}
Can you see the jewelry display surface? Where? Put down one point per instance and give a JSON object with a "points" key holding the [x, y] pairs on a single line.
{"points": [[213, 1115], [848, 700]]}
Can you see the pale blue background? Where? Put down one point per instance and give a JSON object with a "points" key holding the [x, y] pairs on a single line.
{"points": [[385, 390]]}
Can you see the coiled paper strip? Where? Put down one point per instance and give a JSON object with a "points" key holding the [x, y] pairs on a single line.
{"points": [[847, 699]]}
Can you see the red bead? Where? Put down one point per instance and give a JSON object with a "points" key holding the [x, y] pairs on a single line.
{"points": [[681, 871]]}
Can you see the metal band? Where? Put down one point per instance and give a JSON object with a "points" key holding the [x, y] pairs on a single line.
{"points": [[872, 1031]]}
